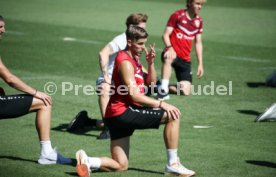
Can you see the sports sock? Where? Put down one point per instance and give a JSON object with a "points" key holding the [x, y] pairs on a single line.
{"points": [[171, 156], [95, 162], [45, 147], [165, 85]]}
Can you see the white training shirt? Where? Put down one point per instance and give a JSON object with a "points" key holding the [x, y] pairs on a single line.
{"points": [[117, 44]]}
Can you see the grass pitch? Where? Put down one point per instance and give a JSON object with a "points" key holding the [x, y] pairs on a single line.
{"points": [[239, 46]]}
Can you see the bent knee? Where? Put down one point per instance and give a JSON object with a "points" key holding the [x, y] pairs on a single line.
{"points": [[185, 92], [123, 167], [40, 105]]}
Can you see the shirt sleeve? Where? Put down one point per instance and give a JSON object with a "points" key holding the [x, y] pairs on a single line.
{"points": [[172, 22], [118, 43]]}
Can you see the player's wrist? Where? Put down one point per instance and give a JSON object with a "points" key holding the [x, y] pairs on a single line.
{"points": [[35, 92], [168, 47]]}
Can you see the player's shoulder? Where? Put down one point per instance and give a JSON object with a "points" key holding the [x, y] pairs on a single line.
{"points": [[179, 11], [121, 36]]}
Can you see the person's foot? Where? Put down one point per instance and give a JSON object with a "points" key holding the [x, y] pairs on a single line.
{"points": [[177, 169], [82, 168], [78, 121], [54, 158], [104, 134], [269, 114]]}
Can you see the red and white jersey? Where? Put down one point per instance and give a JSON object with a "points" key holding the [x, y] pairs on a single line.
{"points": [[184, 32], [120, 100]]}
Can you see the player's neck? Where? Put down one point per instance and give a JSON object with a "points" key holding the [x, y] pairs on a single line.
{"points": [[190, 14]]}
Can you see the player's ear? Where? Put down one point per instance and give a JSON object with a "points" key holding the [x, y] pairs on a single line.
{"points": [[129, 43]]}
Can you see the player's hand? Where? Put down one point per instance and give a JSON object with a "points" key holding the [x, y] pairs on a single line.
{"points": [[200, 71], [47, 100], [172, 111], [150, 55], [170, 54]]}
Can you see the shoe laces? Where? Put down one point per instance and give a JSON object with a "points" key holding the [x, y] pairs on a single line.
{"points": [[177, 164]]}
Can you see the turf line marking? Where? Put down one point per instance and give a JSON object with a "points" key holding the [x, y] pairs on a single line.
{"points": [[15, 33], [266, 68], [247, 59], [202, 126], [70, 39], [44, 77]]}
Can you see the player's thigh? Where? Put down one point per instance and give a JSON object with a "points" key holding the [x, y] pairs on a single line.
{"points": [[120, 150], [12, 106]]}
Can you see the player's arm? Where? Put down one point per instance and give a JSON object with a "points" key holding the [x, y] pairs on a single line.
{"points": [[199, 54], [150, 78], [19, 85], [104, 59], [126, 72], [170, 53]]}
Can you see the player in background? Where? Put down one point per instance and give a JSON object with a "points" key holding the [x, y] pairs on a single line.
{"points": [[183, 27], [13, 106], [127, 112]]}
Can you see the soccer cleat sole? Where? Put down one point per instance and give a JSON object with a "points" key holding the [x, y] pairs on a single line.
{"points": [[82, 170]]}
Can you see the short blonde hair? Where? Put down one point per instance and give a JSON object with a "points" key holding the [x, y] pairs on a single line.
{"points": [[188, 2]]}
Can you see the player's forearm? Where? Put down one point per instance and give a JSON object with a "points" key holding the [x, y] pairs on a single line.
{"points": [[103, 59], [144, 100], [199, 52], [166, 40], [151, 76], [19, 85]]}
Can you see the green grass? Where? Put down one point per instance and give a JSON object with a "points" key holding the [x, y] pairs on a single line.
{"points": [[239, 46]]}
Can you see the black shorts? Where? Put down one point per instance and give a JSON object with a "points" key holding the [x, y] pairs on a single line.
{"points": [[135, 117], [12, 106], [182, 69]]}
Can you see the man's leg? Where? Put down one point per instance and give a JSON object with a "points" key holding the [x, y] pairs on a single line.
{"points": [[171, 138], [43, 119], [166, 74], [43, 124], [120, 156], [183, 88], [118, 162]]}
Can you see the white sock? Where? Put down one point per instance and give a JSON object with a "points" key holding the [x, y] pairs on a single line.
{"points": [[165, 85], [95, 162], [45, 147], [171, 156]]}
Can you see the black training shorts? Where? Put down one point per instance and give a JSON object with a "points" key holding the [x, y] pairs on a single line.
{"points": [[12, 106], [182, 69], [135, 117]]}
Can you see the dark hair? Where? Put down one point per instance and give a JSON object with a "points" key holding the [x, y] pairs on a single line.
{"points": [[135, 33], [1, 18], [135, 19]]}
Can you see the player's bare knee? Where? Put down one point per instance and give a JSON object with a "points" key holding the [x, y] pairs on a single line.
{"points": [[185, 92], [123, 167]]}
